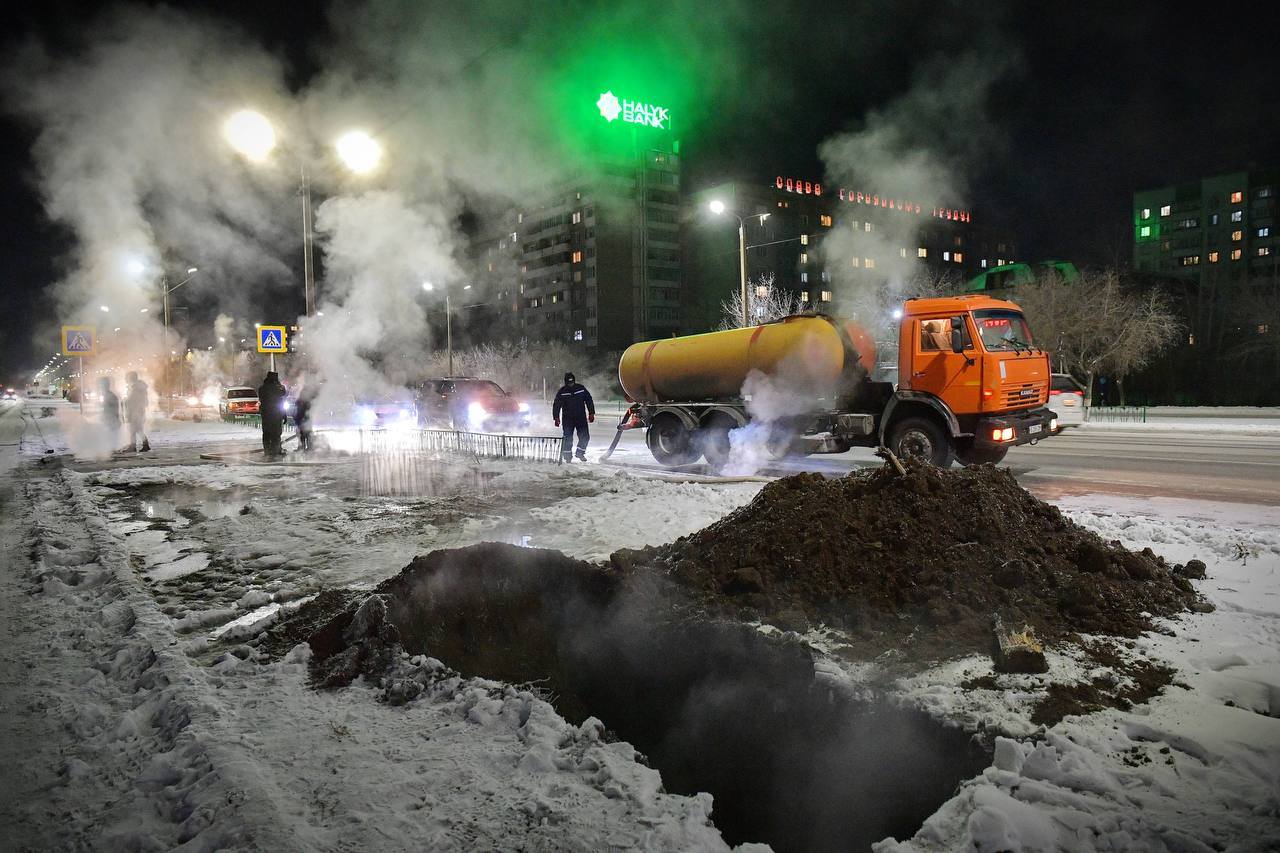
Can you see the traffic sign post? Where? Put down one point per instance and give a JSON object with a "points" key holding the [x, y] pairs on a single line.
{"points": [[272, 340], [80, 341]]}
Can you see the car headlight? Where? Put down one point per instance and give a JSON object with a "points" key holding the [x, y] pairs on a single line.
{"points": [[366, 416], [476, 412], [524, 408]]}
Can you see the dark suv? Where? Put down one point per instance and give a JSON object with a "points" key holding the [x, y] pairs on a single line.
{"points": [[469, 404]]}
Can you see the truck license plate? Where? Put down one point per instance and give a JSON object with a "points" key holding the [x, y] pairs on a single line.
{"points": [[1034, 428]]}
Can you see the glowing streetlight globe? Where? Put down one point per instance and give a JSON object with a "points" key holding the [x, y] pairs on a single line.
{"points": [[359, 151], [717, 207], [250, 133]]}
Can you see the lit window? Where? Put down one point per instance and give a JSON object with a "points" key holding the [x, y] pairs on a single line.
{"points": [[762, 292], [1190, 260], [1237, 215], [870, 264], [1166, 210], [946, 256], [514, 236], [866, 226], [1237, 197], [1237, 236], [1235, 254], [1264, 232], [577, 217], [577, 257], [577, 335], [1213, 257], [902, 253], [1145, 231], [958, 257], [1146, 213], [804, 239], [804, 277], [1263, 251], [857, 262], [922, 252], [1213, 219], [804, 296], [1263, 328], [825, 220], [519, 218], [826, 296], [804, 257], [983, 263], [826, 276], [1191, 339]]}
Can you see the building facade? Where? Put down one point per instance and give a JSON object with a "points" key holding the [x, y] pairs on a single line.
{"points": [[828, 245], [1214, 230]]}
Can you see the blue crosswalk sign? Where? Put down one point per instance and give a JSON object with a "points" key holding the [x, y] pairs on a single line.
{"points": [[272, 339]]}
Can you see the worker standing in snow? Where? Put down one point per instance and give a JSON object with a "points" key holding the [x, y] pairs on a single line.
{"points": [[110, 412], [135, 412], [574, 407], [271, 407]]}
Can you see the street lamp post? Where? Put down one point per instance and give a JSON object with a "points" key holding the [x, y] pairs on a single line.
{"points": [[251, 134], [448, 320], [718, 207]]}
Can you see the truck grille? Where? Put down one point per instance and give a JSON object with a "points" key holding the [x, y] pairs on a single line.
{"points": [[1022, 395]]}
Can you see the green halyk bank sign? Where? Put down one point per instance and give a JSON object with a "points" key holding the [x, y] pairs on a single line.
{"points": [[633, 112]]}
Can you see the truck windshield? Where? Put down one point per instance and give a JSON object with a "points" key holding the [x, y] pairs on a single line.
{"points": [[1002, 329]]}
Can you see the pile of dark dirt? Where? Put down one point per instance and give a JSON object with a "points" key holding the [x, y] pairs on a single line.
{"points": [[918, 563]]}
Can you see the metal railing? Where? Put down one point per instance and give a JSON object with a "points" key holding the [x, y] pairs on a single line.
{"points": [[1116, 414]]}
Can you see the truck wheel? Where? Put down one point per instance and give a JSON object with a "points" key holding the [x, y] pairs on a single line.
{"points": [[670, 442], [923, 439], [713, 438], [981, 456]]}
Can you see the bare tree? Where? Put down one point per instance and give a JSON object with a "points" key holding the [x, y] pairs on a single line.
{"points": [[1093, 324], [765, 303]]}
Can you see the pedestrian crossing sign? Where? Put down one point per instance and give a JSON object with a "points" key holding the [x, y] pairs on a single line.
{"points": [[273, 339], [79, 340]]}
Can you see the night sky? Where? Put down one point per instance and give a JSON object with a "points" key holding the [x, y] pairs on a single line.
{"points": [[1094, 101]]}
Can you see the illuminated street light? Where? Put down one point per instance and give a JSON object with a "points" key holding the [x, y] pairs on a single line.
{"points": [[717, 207], [250, 133], [103, 308], [359, 151]]}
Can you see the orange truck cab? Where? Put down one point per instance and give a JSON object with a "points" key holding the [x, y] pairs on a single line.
{"points": [[969, 376]]}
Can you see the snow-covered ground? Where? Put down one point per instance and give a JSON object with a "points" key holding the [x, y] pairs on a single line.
{"points": [[134, 720]]}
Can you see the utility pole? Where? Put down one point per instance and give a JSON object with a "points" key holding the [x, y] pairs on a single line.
{"points": [[308, 268]]}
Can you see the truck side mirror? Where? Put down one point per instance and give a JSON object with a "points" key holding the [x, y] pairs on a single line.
{"points": [[957, 334]]}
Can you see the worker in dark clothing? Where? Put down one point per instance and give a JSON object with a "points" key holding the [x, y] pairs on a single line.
{"points": [[110, 412], [574, 407], [271, 407], [302, 413]]}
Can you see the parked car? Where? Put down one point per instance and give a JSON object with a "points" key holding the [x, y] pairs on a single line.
{"points": [[468, 403], [1066, 399], [238, 400]]}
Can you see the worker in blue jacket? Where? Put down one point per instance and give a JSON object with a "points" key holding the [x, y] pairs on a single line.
{"points": [[574, 408]]}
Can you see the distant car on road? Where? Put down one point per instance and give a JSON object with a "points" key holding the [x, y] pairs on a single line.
{"points": [[387, 411], [10, 393], [1066, 399], [238, 400], [468, 403]]}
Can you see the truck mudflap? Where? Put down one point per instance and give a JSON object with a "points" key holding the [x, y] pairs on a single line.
{"points": [[1014, 428]]}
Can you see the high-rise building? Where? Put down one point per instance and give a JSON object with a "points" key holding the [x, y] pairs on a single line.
{"points": [[1214, 230], [594, 259], [825, 243]]}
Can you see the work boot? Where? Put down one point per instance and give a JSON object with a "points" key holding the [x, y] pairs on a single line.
{"points": [[146, 446], [580, 456]]}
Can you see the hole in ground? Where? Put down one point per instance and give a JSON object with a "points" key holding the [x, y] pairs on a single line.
{"points": [[715, 706]]}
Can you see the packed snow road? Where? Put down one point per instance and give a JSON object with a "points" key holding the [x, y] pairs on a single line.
{"points": [[139, 714], [1191, 460]]}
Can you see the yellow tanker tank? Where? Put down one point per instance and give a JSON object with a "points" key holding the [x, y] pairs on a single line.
{"points": [[808, 351]]}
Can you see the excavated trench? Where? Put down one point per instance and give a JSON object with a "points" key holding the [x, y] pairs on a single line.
{"points": [[714, 705]]}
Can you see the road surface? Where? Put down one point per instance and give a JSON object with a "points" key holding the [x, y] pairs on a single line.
{"points": [[1205, 464]]}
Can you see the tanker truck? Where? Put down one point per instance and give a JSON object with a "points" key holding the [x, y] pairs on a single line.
{"points": [[970, 385]]}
